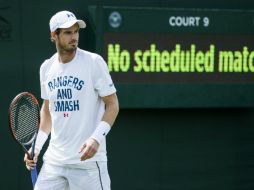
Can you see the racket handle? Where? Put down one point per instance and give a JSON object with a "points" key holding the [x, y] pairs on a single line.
{"points": [[34, 176]]}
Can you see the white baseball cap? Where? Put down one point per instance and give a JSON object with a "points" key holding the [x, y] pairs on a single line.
{"points": [[64, 19]]}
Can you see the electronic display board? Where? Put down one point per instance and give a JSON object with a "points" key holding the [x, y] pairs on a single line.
{"points": [[164, 58]]}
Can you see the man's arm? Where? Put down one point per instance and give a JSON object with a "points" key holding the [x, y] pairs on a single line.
{"points": [[111, 111], [45, 123]]}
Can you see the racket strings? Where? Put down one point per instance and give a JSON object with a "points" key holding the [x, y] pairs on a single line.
{"points": [[25, 119]]}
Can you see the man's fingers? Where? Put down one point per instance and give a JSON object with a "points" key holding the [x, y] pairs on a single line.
{"points": [[89, 152], [30, 167], [30, 164], [85, 152], [82, 148], [89, 149]]}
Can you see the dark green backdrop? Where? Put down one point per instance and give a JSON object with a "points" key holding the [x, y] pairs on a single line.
{"points": [[175, 149]]}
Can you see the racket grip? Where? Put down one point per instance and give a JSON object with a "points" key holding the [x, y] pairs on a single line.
{"points": [[34, 176]]}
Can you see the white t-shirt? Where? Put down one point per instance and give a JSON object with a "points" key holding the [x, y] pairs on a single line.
{"points": [[74, 90]]}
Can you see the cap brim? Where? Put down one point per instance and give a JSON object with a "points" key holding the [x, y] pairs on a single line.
{"points": [[81, 24]]}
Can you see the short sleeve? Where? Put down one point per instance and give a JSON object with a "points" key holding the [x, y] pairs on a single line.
{"points": [[43, 82], [102, 81]]}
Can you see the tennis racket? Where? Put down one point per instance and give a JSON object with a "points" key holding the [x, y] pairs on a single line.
{"points": [[24, 118]]}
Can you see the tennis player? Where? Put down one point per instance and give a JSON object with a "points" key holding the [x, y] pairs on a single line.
{"points": [[79, 107]]}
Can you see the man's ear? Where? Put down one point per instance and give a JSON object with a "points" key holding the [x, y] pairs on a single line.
{"points": [[53, 36]]}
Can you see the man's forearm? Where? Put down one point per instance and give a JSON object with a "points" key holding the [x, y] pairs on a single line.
{"points": [[45, 123], [112, 109]]}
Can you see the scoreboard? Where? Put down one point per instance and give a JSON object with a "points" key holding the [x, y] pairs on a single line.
{"points": [[173, 58]]}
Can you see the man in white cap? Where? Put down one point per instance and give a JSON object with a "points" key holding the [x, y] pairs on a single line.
{"points": [[79, 107]]}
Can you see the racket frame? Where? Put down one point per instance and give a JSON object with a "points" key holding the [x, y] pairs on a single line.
{"points": [[32, 141]]}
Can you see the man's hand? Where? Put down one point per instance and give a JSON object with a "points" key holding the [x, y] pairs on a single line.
{"points": [[89, 149], [30, 164]]}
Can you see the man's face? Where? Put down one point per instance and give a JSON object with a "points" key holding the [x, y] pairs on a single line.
{"points": [[67, 40]]}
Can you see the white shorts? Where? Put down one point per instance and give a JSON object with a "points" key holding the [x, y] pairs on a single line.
{"points": [[94, 176]]}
